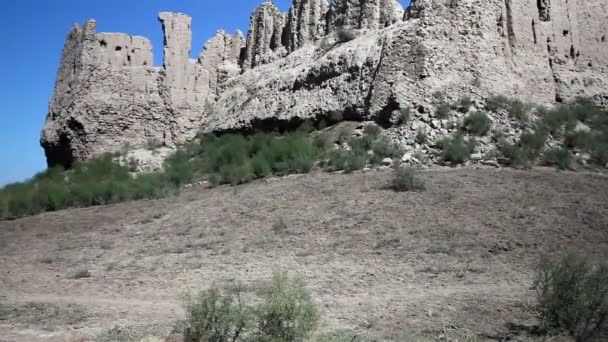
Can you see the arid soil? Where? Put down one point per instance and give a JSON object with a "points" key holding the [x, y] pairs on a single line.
{"points": [[457, 258]]}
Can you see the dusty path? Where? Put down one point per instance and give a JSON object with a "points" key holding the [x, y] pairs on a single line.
{"points": [[461, 254]]}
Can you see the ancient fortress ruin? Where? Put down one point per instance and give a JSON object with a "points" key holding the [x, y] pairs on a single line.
{"points": [[364, 58]]}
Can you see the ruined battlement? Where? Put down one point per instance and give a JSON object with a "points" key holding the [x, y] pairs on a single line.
{"points": [[108, 93]]}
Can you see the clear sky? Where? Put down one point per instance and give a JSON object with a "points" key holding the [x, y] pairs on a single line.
{"points": [[32, 34]]}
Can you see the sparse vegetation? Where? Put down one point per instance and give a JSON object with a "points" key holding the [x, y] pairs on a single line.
{"points": [[478, 123], [558, 156], [421, 136], [526, 151], [287, 313], [153, 143], [516, 108], [344, 35], [573, 297], [407, 179], [443, 110], [464, 103], [404, 116], [356, 157], [456, 150], [218, 316], [82, 273]]}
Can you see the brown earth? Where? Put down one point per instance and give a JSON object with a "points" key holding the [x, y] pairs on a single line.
{"points": [[459, 257]]}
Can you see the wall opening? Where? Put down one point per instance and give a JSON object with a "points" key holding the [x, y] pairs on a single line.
{"points": [[128, 58], [566, 32], [603, 39], [118, 48], [103, 43], [534, 32]]}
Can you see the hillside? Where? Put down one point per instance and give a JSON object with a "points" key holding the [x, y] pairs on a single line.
{"points": [[457, 259]]}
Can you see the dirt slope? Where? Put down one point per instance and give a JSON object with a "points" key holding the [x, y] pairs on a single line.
{"points": [[460, 255]]}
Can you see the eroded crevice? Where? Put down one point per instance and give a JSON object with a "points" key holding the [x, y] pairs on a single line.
{"points": [[534, 32], [544, 9], [510, 28]]}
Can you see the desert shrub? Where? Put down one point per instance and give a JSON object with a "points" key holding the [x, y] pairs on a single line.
{"points": [[372, 132], [558, 120], [153, 144], [287, 312], [443, 110], [455, 149], [347, 160], [421, 136], [464, 103], [404, 116], [218, 316], [344, 135], [498, 102], [526, 151], [344, 35], [406, 179], [579, 139], [516, 108], [558, 156], [80, 274], [573, 297], [384, 147], [478, 123]]}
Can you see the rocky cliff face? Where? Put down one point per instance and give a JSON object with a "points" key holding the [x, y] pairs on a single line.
{"points": [[295, 66]]}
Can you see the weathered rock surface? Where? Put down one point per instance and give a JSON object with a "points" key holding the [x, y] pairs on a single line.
{"points": [[264, 39], [306, 22], [364, 14], [107, 92]]}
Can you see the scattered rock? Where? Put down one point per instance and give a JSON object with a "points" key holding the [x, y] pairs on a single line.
{"points": [[387, 162], [490, 162]]}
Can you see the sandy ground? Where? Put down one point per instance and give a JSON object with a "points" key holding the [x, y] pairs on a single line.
{"points": [[458, 257]]}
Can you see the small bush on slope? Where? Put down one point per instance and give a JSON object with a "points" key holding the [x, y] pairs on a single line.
{"points": [[218, 316], [559, 157], [406, 179], [478, 123], [455, 149], [573, 297], [287, 312]]}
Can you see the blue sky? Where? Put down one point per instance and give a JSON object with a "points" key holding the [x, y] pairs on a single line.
{"points": [[32, 33]]}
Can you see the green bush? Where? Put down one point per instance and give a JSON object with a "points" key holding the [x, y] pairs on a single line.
{"points": [[406, 179], [516, 108], [404, 116], [383, 148], [443, 110], [464, 103], [478, 123], [287, 312], [558, 156], [456, 150], [526, 151], [421, 136], [573, 297], [347, 160], [498, 102], [218, 316]]}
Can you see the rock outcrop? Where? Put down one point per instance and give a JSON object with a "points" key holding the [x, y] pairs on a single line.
{"points": [[108, 93], [364, 14], [264, 38], [306, 22]]}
